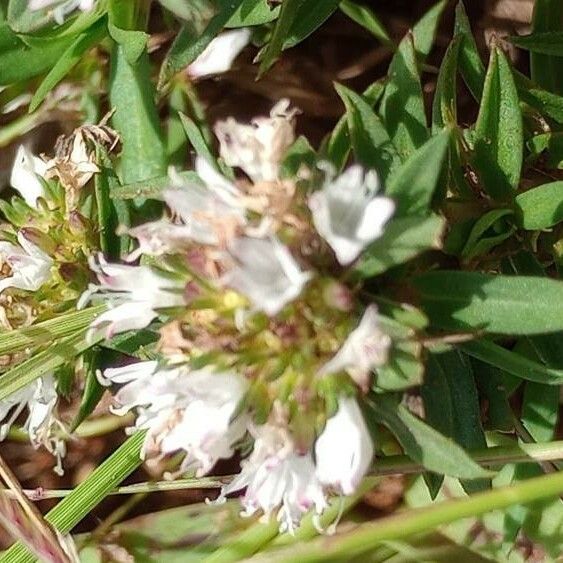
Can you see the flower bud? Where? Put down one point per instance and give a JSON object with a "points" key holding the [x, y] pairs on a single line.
{"points": [[337, 296], [39, 239]]}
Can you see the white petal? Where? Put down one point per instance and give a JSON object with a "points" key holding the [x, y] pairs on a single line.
{"points": [[377, 212], [366, 348], [219, 55], [24, 177], [266, 273], [346, 213], [344, 450]]}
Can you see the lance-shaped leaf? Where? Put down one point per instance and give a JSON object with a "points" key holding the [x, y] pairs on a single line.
{"points": [[499, 134], [135, 118], [402, 106], [413, 184], [422, 443], [493, 303], [371, 143]]}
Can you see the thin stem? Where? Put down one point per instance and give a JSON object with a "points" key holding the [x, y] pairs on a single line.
{"points": [[368, 536], [88, 429], [391, 465]]}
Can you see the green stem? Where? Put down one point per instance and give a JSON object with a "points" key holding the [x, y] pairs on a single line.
{"points": [[366, 537], [391, 465], [88, 429]]}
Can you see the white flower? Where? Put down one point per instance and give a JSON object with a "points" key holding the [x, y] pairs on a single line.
{"points": [[62, 8], [348, 215], [40, 398], [366, 348], [184, 411], [344, 450], [258, 148], [209, 214], [159, 237], [25, 175], [29, 267], [220, 54], [266, 272], [277, 478], [133, 293]]}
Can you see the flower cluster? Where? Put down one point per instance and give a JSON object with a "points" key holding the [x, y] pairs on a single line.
{"points": [[44, 253], [259, 342]]}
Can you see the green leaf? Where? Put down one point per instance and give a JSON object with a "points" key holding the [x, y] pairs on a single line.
{"points": [[546, 70], [135, 118], [149, 189], [499, 134], [111, 213], [444, 105], [513, 363], [339, 144], [187, 46], [540, 410], [488, 231], [47, 331], [299, 154], [422, 443], [451, 404], [363, 16], [132, 42], [370, 141], [56, 355], [253, 12], [450, 399], [68, 60], [544, 102], [273, 49], [424, 31], [541, 207], [403, 369], [498, 414], [550, 144], [73, 508], [470, 63], [93, 390], [21, 62], [403, 239], [548, 43], [412, 185], [496, 304], [197, 139], [402, 106], [309, 16]]}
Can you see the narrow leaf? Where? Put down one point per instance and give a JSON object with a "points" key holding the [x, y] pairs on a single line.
{"points": [[68, 60], [135, 118], [496, 304], [499, 135], [424, 444], [402, 106], [370, 140], [513, 363], [414, 182]]}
